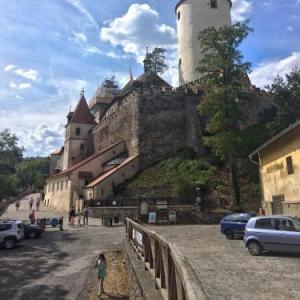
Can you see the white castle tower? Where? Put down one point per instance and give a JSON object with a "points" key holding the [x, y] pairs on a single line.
{"points": [[194, 16]]}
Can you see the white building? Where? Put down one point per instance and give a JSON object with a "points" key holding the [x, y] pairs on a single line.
{"points": [[194, 16]]}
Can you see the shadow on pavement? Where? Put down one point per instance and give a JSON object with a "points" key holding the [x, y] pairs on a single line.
{"points": [[23, 267]]}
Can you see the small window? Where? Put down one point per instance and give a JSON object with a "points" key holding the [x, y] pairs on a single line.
{"points": [[178, 15], [61, 185], [4, 227], [66, 184], [264, 224], [102, 192], [179, 62], [77, 131], [57, 186], [214, 4], [289, 165], [81, 147], [86, 182]]}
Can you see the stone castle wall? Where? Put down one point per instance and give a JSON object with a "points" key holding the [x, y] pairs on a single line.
{"points": [[154, 125], [119, 123]]}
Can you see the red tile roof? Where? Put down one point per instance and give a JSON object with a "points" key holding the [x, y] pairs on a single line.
{"points": [[105, 175], [82, 114], [83, 162]]}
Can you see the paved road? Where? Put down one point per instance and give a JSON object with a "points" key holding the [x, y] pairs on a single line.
{"points": [[227, 271], [58, 265]]}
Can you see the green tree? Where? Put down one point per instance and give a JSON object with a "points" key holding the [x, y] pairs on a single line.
{"points": [[222, 71], [33, 172], [10, 155], [286, 95], [156, 61]]}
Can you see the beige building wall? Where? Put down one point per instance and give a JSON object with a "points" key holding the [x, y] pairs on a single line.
{"points": [[64, 198], [194, 16], [58, 193], [105, 188], [275, 179]]}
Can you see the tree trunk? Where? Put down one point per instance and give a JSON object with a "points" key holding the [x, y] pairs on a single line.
{"points": [[234, 180]]}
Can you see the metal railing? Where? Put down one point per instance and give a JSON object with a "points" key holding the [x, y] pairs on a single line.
{"points": [[172, 273]]}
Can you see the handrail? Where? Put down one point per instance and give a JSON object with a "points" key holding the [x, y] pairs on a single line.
{"points": [[172, 273]]}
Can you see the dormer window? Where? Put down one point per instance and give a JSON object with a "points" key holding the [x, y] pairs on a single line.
{"points": [[214, 4], [77, 131]]}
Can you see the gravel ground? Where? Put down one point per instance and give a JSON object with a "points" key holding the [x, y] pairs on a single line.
{"points": [[115, 285], [227, 271], [58, 265]]}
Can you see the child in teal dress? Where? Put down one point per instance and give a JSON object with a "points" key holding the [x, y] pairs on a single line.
{"points": [[101, 272]]}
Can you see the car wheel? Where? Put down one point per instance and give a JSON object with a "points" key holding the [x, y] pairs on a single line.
{"points": [[32, 235], [9, 243], [229, 234], [254, 248]]}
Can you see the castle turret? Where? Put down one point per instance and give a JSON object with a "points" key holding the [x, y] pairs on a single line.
{"points": [[80, 122], [194, 16]]}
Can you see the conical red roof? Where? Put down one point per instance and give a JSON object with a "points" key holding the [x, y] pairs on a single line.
{"points": [[82, 114]]}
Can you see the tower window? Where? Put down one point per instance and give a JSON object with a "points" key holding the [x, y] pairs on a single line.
{"points": [[289, 165], [77, 131], [214, 3], [178, 15], [179, 62]]}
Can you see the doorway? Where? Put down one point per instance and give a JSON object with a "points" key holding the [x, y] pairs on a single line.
{"points": [[277, 205]]}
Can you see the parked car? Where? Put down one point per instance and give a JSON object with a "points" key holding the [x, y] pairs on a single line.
{"points": [[233, 225], [11, 233], [272, 233], [32, 231]]}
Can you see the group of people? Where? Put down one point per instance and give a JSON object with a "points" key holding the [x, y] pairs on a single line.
{"points": [[31, 203], [84, 216]]}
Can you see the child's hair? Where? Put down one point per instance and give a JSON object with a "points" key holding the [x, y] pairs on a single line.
{"points": [[101, 257]]}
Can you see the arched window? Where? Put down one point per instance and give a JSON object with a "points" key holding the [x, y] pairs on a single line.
{"points": [[214, 3]]}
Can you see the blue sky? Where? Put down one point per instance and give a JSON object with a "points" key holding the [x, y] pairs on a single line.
{"points": [[50, 49]]}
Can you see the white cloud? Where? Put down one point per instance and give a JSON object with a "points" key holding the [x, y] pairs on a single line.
{"points": [[19, 97], [29, 74], [137, 29], [80, 37], [265, 73], [25, 85], [241, 10], [80, 7], [21, 86], [13, 85], [43, 139], [93, 49], [8, 68]]}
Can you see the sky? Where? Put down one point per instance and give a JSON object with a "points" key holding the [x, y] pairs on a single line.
{"points": [[51, 49]]}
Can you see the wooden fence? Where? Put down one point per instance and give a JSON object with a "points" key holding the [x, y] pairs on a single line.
{"points": [[172, 274]]}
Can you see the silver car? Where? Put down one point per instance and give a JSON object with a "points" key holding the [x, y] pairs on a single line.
{"points": [[272, 233], [11, 233]]}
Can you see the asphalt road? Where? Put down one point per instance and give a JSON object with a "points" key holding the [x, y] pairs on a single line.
{"points": [[56, 266], [226, 270]]}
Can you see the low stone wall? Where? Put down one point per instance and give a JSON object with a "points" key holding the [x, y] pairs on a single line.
{"points": [[140, 283], [186, 214]]}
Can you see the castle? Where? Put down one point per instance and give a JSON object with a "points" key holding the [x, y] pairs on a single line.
{"points": [[122, 131]]}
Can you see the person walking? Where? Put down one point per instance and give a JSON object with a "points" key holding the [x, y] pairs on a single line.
{"points": [[38, 203], [61, 223], [18, 203], [86, 216], [32, 217], [79, 219], [101, 272], [31, 201], [72, 213]]}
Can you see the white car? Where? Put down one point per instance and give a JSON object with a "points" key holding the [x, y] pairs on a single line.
{"points": [[11, 233]]}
